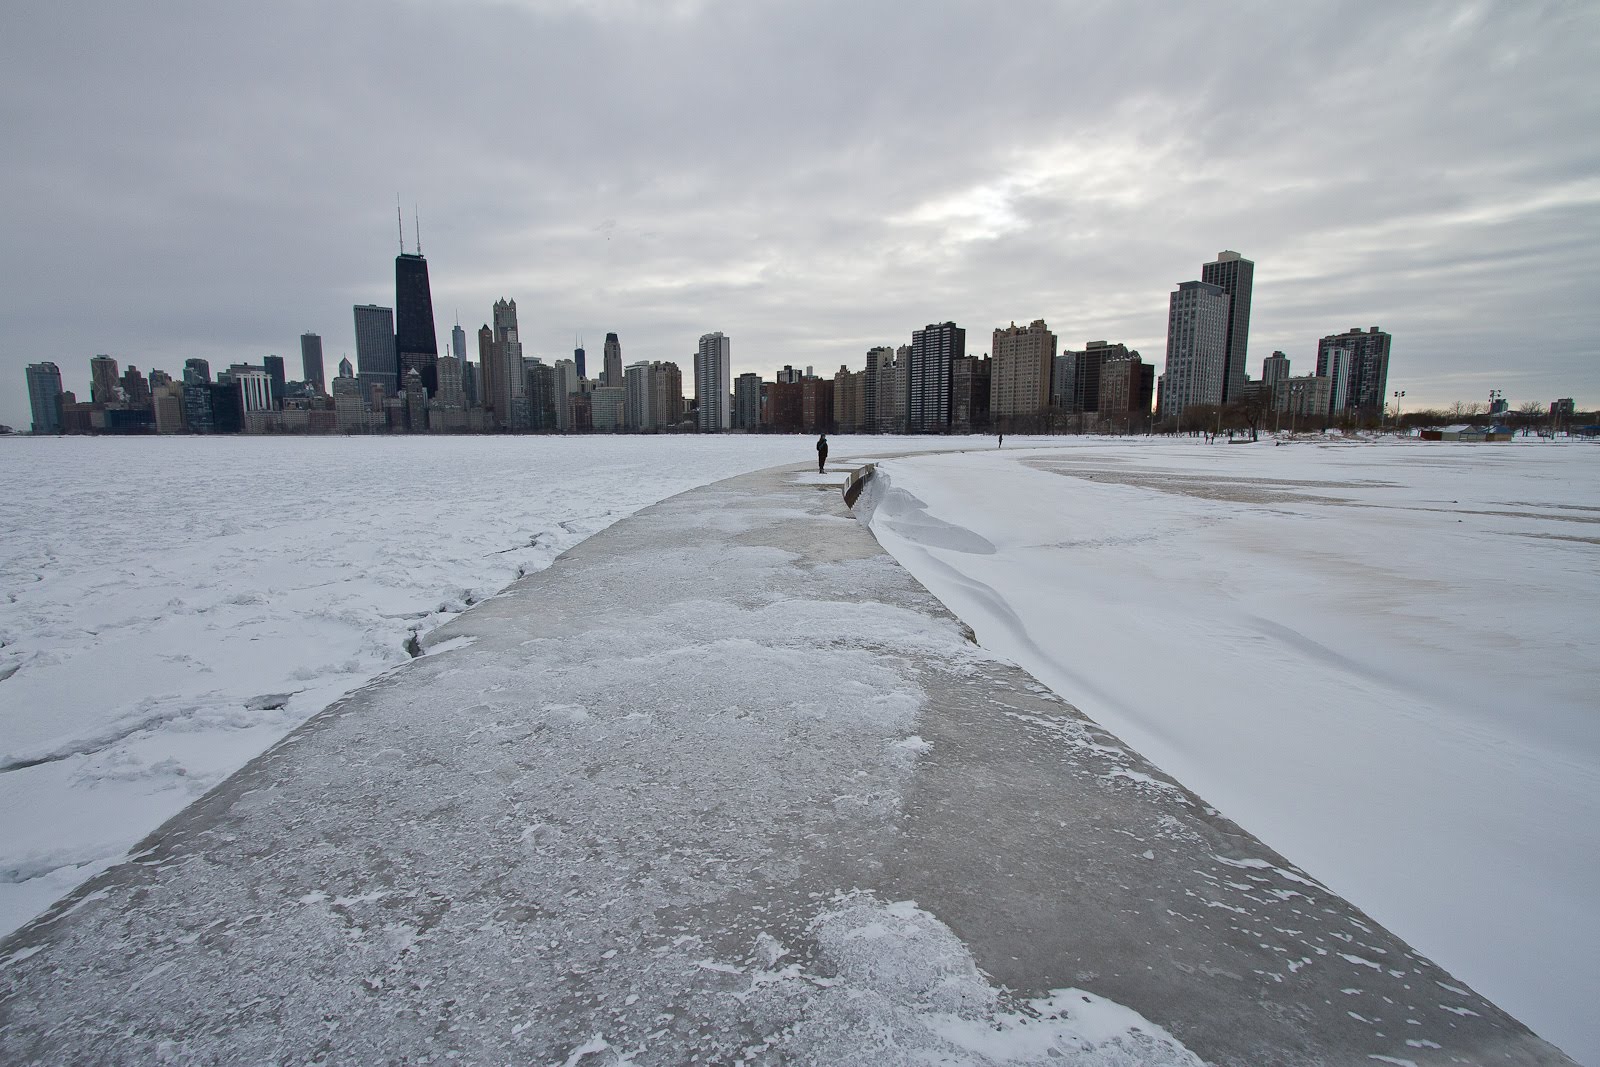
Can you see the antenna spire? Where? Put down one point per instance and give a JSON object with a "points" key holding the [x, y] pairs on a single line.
{"points": [[401, 226], [418, 219]]}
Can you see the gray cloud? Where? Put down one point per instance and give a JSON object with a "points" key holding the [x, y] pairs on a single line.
{"points": [[811, 178]]}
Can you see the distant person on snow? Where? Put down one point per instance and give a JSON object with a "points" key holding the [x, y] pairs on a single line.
{"points": [[822, 452]]}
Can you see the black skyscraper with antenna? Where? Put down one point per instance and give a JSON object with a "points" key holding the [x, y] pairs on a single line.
{"points": [[416, 343]]}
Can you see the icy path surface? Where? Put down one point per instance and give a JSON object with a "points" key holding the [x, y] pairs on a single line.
{"points": [[722, 785], [170, 607], [1381, 659]]}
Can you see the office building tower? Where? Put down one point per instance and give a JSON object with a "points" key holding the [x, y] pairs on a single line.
{"points": [[135, 388], [713, 378], [1235, 275], [415, 395], [933, 349], [1274, 369], [311, 363], [578, 357], [458, 342], [451, 396], [747, 401], [1023, 359], [488, 361], [44, 397], [103, 388], [273, 365], [510, 383], [611, 372], [540, 390], [254, 385], [376, 362], [1365, 372], [415, 340], [1197, 330]]}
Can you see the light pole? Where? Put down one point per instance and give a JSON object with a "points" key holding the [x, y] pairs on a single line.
{"points": [[1495, 396], [1399, 394]]}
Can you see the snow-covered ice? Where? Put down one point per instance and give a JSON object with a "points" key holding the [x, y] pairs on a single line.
{"points": [[1379, 658], [173, 606]]}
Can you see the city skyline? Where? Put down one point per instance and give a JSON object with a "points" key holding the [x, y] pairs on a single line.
{"points": [[1450, 200]]}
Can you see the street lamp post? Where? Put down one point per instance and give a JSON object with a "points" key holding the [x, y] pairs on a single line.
{"points": [[1399, 394]]}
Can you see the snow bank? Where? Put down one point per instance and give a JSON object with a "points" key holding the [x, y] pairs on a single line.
{"points": [[1378, 658]]}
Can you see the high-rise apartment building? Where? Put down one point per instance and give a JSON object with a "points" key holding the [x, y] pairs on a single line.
{"points": [[103, 387], [713, 381], [611, 369], [1235, 275], [666, 395], [933, 349], [1365, 372], [1274, 369], [415, 340], [892, 366], [311, 363], [1197, 331], [376, 363], [747, 401], [636, 414], [971, 392], [606, 403], [1019, 376], [565, 383], [44, 397]]}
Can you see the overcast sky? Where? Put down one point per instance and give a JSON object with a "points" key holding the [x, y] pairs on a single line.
{"points": [[812, 178]]}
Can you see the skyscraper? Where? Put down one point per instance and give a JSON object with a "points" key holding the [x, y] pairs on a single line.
{"points": [[311, 363], [375, 354], [1019, 382], [713, 371], [458, 342], [578, 356], [747, 401], [103, 387], [44, 397], [933, 349], [1235, 275], [636, 413], [1366, 372], [510, 384], [488, 361], [274, 367], [416, 342], [1274, 369], [1197, 330], [611, 374]]}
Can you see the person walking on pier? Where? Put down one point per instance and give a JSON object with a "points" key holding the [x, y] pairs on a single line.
{"points": [[822, 452]]}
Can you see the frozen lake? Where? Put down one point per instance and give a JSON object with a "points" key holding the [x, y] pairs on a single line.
{"points": [[1379, 658]]}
